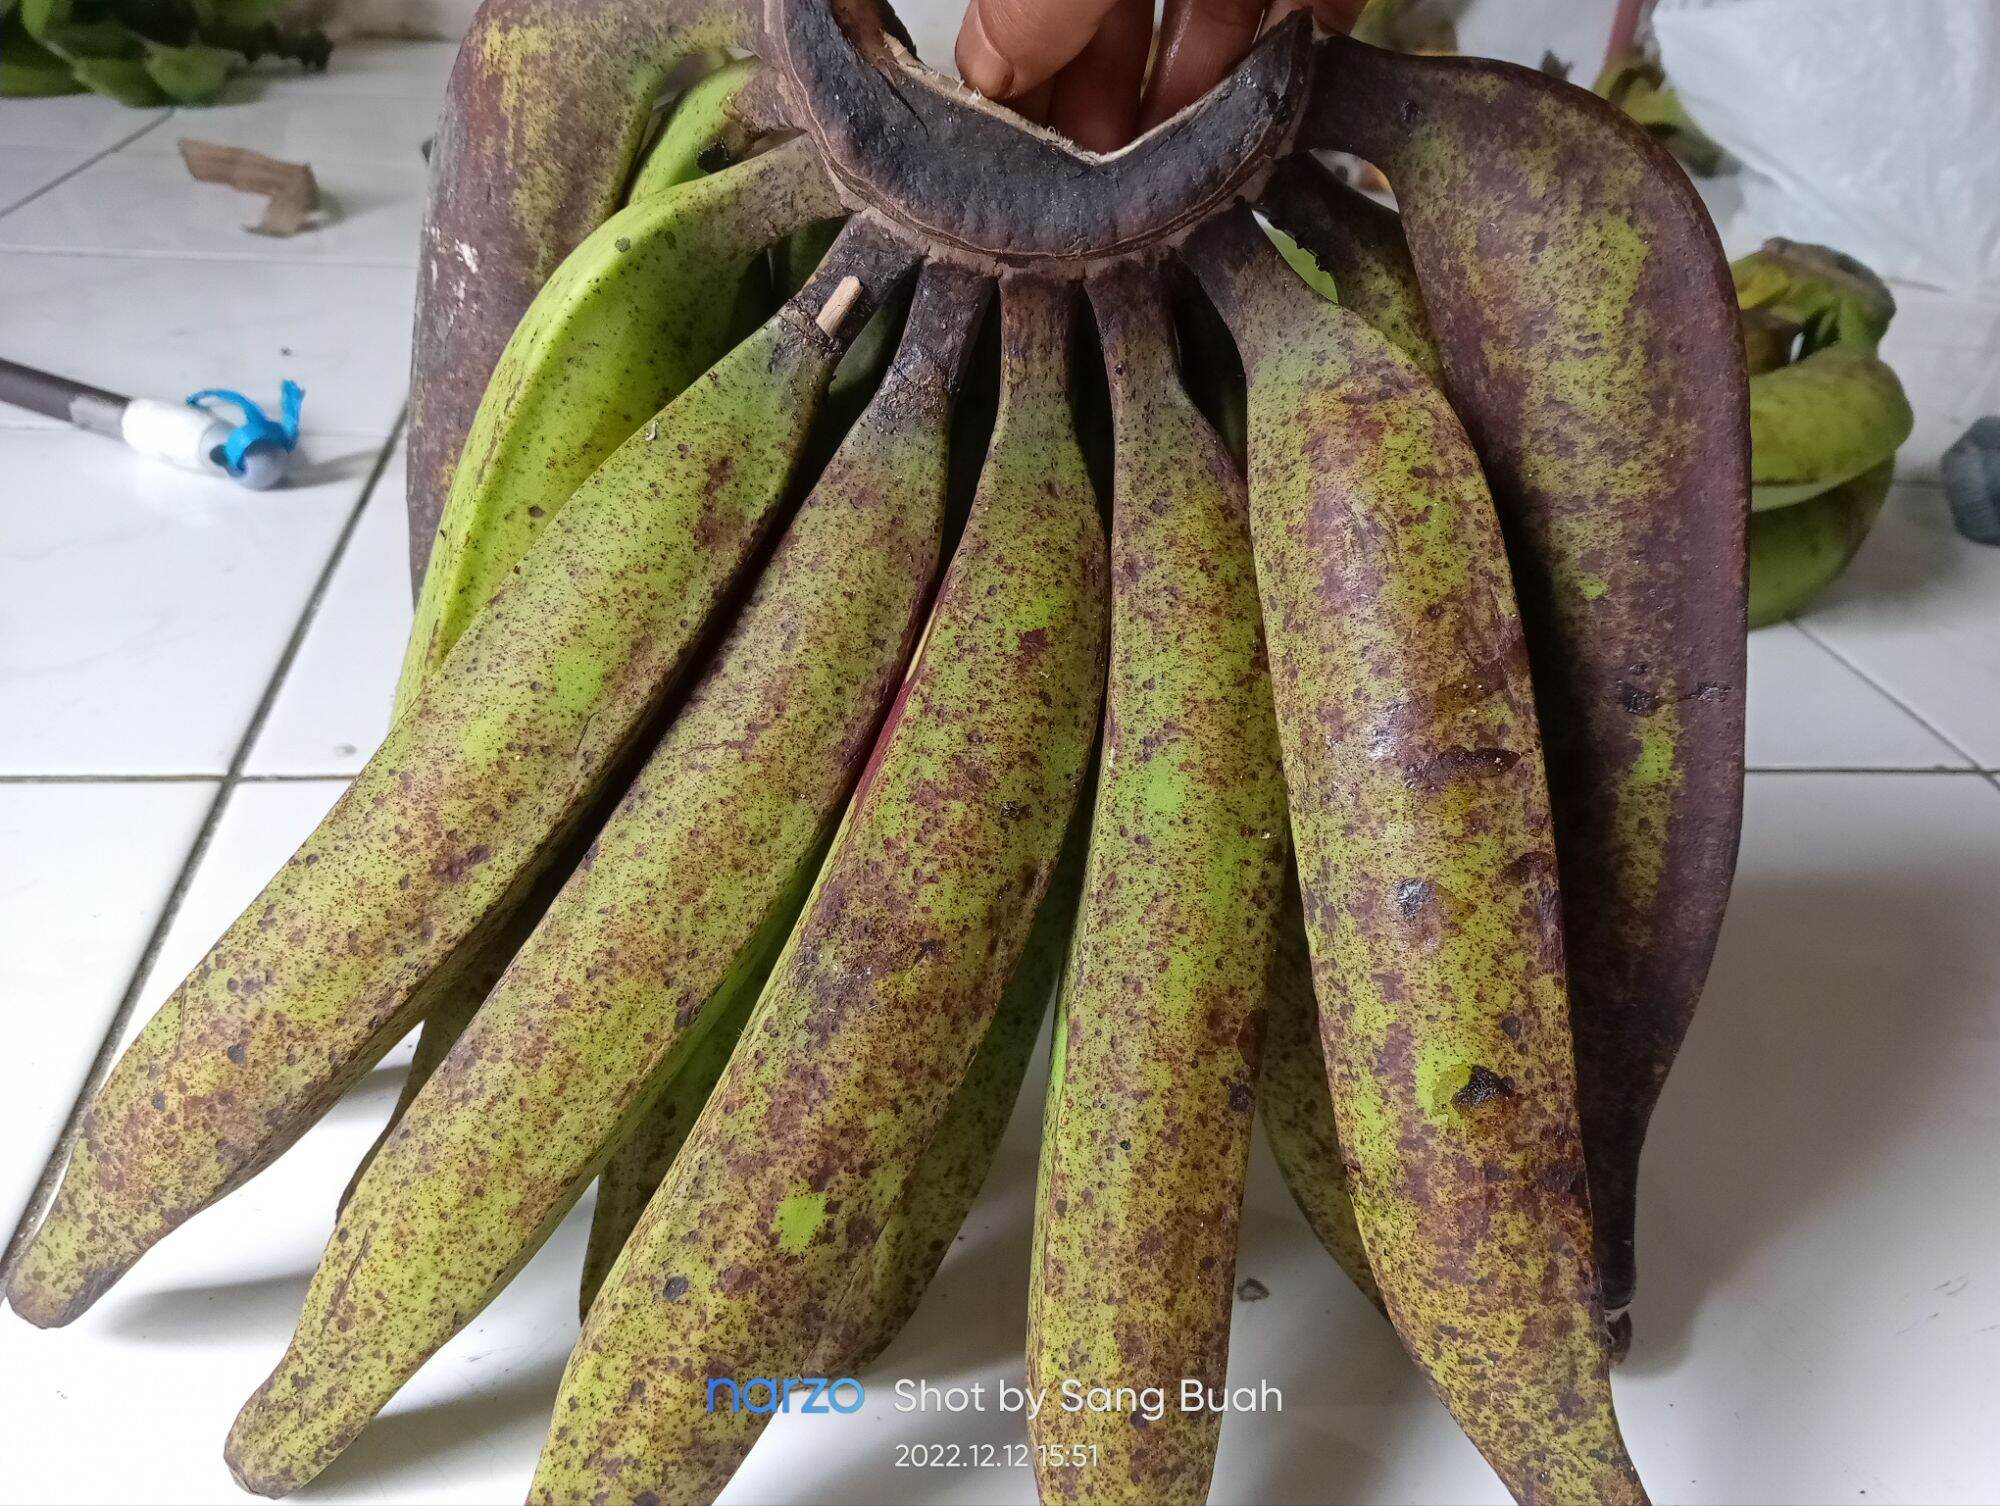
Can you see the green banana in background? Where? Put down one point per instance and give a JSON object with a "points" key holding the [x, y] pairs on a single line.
{"points": [[700, 134], [1797, 552], [1826, 417], [641, 309]]}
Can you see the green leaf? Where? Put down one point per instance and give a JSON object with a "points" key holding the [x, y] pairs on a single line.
{"points": [[122, 79], [1304, 263], [39, 15], [189, 75]]}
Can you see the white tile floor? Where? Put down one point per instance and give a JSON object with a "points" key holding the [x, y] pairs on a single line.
{"points": [[189, 674]]}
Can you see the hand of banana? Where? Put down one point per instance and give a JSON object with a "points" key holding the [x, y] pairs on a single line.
{"points": [[735, 855]]}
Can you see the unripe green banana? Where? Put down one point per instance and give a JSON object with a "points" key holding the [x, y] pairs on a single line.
{"points": [[700, 136], [1298, 1108], [884, 991], [1147, 1129], [1798, 551], [634, 314], [1414, 767], [442, 833], [686, 893], [1828, 414], [545, 114], [945, 1182], [639, 1164], [1821, 422], [1829, 298], [495, 521]]}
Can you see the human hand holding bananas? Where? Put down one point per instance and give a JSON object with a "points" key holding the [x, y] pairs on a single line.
{"points": [[731, 849]]}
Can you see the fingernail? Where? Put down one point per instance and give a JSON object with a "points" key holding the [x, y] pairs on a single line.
{"points": [[979, 61]]}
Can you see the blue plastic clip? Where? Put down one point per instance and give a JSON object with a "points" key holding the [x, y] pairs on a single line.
{"points": [[256, 429]]}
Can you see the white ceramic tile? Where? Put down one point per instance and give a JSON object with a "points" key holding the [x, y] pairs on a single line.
{"points": [[143, 608], [1819, 1270], [203, 1317], [381, 67], [144, 204], [1918, 612], [26, 169], [299, 120], [72, 123], [87, 868], [1809, 710], [167, 327], [334, 705]]}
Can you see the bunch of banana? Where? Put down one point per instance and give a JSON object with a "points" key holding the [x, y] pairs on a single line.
{"points": [[1301, 618], [1827, 416]]}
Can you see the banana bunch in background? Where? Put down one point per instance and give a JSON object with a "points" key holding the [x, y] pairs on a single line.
{"points": [[887, 572], [1827, 416]]}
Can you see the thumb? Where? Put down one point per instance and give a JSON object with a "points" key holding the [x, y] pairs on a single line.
{"points": [[1007, 47]]}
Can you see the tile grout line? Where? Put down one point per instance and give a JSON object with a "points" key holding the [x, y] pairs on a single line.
{"points": [[89, 162], [1925, 771], [220, 258], [128, 1002], [1971, 762]]}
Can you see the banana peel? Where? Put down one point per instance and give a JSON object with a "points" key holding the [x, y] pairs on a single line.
{"points": [[1797, 552], [1818, 423], [1827, 416]]}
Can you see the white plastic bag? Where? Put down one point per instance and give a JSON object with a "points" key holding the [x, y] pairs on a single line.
{"points": [[1870, 125]]}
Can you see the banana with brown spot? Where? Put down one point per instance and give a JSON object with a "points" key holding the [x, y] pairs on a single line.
{"points": [[1413, 764]]}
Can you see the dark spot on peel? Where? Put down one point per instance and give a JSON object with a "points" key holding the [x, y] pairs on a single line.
{"points": [[1483, 1086]]}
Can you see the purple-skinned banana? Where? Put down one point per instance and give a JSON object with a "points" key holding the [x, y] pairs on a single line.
{"points": [[1586, 325], [1413, 766]]}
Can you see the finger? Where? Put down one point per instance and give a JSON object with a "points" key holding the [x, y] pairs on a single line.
{"points": [[1096, 102], [1333, 15], [1199, 42], [1339, 15], [1007, 47], [1034, 103]]}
